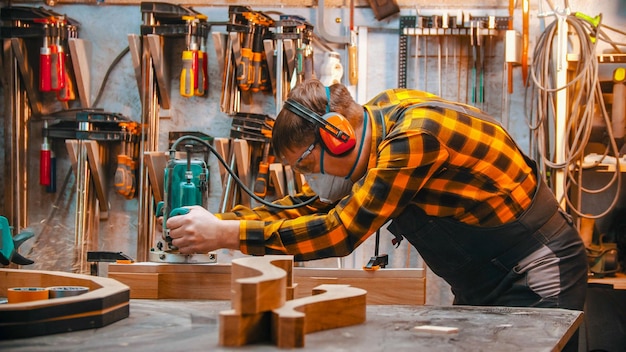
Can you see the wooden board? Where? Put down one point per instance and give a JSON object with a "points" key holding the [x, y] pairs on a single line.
{"points": [[174, 281], [259, 285], [155, 164], [105, 303], [618, 282], [383, 286], [277, 178], [242, 158], [212, 281], [221, 146]]}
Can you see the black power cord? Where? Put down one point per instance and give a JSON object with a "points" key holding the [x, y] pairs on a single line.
{"points": [[237, 179]]}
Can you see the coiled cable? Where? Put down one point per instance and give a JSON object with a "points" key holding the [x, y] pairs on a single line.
{"points": [[585, 100]]}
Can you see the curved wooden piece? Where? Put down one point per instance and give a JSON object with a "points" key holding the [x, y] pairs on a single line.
{"points": [[244, 329], [259, 283], [106, 302], [331, 306]]}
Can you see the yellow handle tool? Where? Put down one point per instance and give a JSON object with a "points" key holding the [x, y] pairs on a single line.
{"points": [[187, 75]]}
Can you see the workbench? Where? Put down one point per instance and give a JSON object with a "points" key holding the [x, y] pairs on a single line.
{"points": [[192, 325]]}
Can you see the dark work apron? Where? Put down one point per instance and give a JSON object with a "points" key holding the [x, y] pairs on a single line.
{"points": [[479, 262]]}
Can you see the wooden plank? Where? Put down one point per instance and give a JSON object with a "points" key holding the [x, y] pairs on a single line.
{"points": [[277, 177], [80, 51], [142, 285], [242, 158], [384, 286], [618, 281], [212, 281], [330, 307], [244, 329], [221, 146], [166, 281], [155, 164], [289, 180], [97, 174]]}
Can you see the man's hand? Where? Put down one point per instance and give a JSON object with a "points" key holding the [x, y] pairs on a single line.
{"points": [[199, 231]]}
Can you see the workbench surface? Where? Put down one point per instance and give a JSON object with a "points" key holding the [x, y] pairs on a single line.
{"points": [[177, 325]]}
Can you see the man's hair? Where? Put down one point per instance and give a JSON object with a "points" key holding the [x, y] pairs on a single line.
{"points": [[291, 131]]}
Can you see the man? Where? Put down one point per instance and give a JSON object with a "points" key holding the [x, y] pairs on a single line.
{"points": [[454, 183]]}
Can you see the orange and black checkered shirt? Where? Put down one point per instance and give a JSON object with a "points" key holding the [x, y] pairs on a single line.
{"points": [[447, 162]]}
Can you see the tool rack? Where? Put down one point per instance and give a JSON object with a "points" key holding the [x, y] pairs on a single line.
{"points": [[22, 32], [464, 27], [159, 21]]}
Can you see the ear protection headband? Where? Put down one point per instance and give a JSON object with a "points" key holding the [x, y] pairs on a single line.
{"points": [[335, 132]]}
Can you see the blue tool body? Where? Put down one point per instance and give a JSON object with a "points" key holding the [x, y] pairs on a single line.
{"points": [[9, 244], [185, 183]]}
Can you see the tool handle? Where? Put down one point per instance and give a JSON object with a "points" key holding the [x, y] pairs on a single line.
{"points": [[45, 69], [44, 166], [260, 185], [194, 68], [61, 73], [255, 73], [353, 70], [509, 67], [179, 211], [67, 92], [187, 75], [525, 40], [201, 74], [618, 108], [243, 69], [205, 72]]}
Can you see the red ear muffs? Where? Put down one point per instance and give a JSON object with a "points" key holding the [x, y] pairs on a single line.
{"points": [[335, 131], [332, 143]]}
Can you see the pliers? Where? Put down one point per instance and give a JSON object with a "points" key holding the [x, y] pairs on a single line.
{"points": [[9, 244]]}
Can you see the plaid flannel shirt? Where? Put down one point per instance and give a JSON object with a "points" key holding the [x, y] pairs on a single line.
{"points": [[446, 162]]}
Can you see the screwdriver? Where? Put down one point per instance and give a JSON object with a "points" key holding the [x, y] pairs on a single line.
{"points": [[57, 65], [262, 180], [65, 89], [188, 73], [260, 185], [45, 84], [353, 73], [243, 69], [258, 79], [202, 81], [45, 158], [200, 84]]}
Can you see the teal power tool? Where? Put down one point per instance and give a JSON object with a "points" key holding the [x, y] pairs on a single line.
{"points": [[10, 244], [185, 183]]}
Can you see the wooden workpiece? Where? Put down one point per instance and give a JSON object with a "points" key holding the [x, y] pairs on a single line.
{"points": [[260, 309], [330, 307], [259, 285], [106, 302], [617, 281], [151, 280], [212, 281], [383, 286]]}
